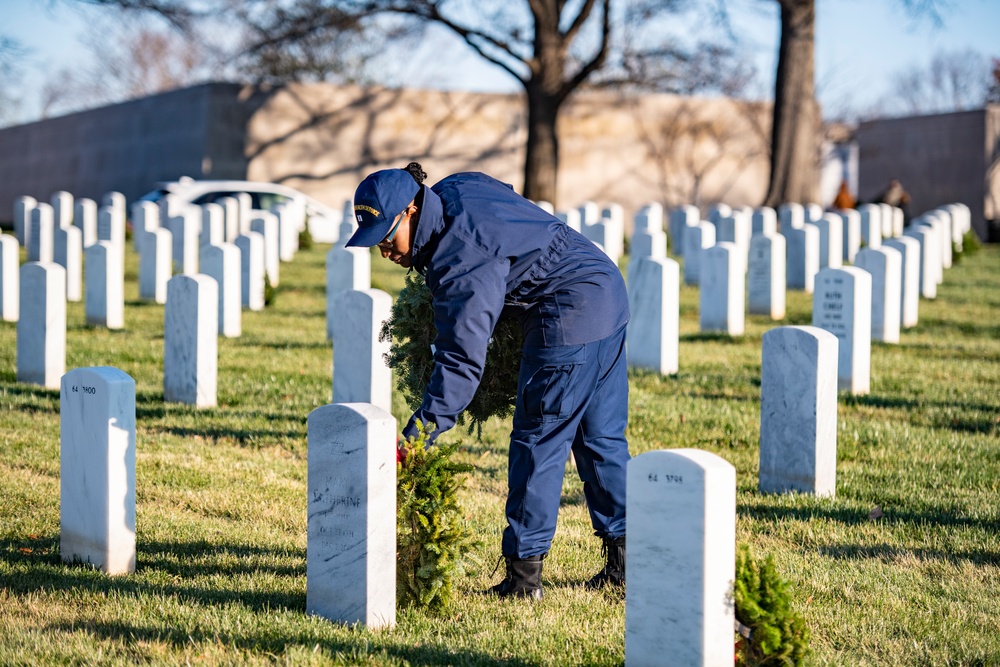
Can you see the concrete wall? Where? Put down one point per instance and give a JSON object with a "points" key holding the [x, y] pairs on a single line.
{"points": [[127, 147], [323, 139], [939, 159]]}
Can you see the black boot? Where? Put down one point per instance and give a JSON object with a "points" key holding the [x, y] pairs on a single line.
{"points": [[523, 578], [613, 573]]}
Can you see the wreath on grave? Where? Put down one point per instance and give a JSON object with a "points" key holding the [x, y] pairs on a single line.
{"points": [[771, 632], [432, 541], [410, 330]]}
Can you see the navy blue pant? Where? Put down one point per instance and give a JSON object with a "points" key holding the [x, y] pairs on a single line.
{"points": [[568, 396]]}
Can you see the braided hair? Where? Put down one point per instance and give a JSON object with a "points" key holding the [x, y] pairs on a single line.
{"points": [[416, 171]]}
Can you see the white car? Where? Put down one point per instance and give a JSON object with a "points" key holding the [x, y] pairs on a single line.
{"points": [[324, 221]]}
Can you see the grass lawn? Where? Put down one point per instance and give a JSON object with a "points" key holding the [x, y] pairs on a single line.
{"points": [[221, 501]]}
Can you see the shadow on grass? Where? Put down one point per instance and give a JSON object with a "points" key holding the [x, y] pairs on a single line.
{"points": [[185, 563], [935, 414], [762, 511], [718, 337], [885, 552], [276, 345], [358, 648], [182, 561], [48, 399]]}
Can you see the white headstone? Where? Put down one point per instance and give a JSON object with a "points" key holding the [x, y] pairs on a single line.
{"points": [[116, 202], [735, 229], [898, 221], [360, 374], [190, 340], [831, 238], [97, 469], [722, 289], [764, 221], [105, 300], [546, 206], [766, 276], [571, 218], [346, 269], [649, 218], [842, 305], [871, 225], [265, 224], [22, 219], [614, 212], [696, 239], [590, 213], [609, 234], [956, 225], [67, 252], [41, 234], [245, 202], [909, 295], [813, 212], [651, 243], [885, 265], [941, 224], [851, 226], [185, 229], [798, 411], [929, 256], [288, 232], [145, 218], [654, 298], [222, 264], [791, 215], [681, 545], [885, 218], [85, 218], [717, 212], [9, 279], [801, 256], [251, 247], [681, 218], [111, 226], [213, 230], [351, 551], [155, 264], [231, 213], [41, 327], [62, 208]]}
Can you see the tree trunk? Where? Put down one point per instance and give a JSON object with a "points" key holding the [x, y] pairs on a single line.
{"points": [[794, 129], [541, 160]]}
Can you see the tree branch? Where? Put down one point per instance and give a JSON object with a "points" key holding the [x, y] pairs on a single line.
{"points": [[597, 61]]}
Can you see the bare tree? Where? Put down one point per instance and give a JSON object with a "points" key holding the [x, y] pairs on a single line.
{"points": [[131, 58], [11, 56], [796, 125], [951, 81]]}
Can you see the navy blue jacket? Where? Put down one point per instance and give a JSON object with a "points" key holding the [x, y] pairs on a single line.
{"points": [[485, 250]]}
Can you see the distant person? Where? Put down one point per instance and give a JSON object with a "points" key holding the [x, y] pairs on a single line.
{"points": [[844, 200], [895, 195]]}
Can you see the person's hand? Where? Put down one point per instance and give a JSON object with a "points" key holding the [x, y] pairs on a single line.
{"points": [[400, 449]]}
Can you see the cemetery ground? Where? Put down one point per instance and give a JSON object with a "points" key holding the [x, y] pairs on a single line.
{"points": [[901, 568]]}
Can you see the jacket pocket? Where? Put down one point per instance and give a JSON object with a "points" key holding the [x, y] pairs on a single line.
{"points": [[550, 390]]}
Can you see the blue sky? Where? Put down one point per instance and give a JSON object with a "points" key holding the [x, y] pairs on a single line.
{"points": [[860, 45]]}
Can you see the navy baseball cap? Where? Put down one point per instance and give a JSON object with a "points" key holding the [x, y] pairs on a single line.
{"points": [[378, 200]]}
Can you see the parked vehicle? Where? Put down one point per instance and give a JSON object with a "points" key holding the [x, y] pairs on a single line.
{"points": [[324, 221]]}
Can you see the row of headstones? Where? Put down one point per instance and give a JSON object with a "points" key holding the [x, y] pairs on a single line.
{"points": [[351, 543], [351, 533], [237, 269]]}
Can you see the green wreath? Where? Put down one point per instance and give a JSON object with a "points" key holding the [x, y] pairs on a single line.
{"points": [[411, 331]]}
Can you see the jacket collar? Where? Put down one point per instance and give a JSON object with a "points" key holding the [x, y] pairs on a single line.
{"points": [[429, 227]]}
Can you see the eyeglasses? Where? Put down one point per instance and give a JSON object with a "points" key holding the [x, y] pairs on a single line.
{"points": [[386, 243]]}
